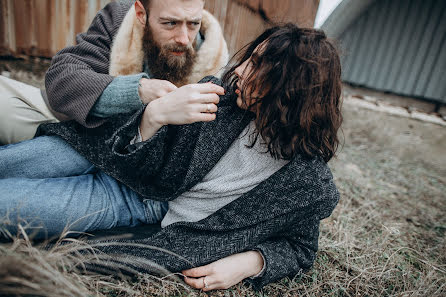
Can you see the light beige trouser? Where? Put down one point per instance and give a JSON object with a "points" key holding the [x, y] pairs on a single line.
{"points": [[22, 110]]}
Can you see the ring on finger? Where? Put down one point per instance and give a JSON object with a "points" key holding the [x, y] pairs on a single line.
{"points": [[205, 283], [208, 107]]}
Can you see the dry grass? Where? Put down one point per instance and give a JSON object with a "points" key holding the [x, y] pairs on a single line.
{"points": [[385, 238]]}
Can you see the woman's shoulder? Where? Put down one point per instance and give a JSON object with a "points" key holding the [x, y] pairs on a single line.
{"points": [[314, 165]]}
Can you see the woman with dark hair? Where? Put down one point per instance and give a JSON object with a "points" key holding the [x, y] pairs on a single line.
{"points": [[239, 181]]}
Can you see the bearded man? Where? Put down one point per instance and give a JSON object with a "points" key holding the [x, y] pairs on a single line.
{"points": [[132, 54]]}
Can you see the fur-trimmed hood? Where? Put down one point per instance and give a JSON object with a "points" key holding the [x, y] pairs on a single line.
{"points": [[127, 55]]}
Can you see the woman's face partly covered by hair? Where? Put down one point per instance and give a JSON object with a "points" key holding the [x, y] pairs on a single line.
{"points": [[243, 72], [290, 77]]}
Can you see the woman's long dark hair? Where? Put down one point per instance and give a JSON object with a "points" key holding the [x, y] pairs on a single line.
{"points": [[297, 73]]}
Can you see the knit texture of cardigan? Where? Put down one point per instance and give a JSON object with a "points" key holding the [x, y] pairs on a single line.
{"points": [[280, 217]]}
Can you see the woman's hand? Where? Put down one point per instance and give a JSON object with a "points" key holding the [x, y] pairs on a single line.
{"points": [[186, 105], [225, 272]]}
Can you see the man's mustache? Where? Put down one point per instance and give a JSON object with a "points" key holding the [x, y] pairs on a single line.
{"points": [[177, 48]]}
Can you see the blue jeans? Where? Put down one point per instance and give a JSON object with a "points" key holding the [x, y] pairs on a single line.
{"points": [[47, 187]]}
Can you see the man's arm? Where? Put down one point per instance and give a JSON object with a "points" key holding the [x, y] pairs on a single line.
{"points": [[79, 74]]}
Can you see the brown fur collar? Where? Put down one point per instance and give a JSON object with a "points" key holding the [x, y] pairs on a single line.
{"points": [[126, 56]]}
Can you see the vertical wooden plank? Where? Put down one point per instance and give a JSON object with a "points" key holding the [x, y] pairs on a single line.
{"points": [[43, 27], [81, 17], [52, 24], [4, 36], [21, 10]]}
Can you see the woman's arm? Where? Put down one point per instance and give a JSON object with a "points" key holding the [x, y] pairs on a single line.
{"points": [[276, 258], [288, 255], [225, 272]]}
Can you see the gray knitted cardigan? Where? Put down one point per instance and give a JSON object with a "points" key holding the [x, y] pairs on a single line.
{"points": [[280, 217]]}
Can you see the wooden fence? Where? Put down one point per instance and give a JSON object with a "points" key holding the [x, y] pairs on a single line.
{"points": [[43, 27]]}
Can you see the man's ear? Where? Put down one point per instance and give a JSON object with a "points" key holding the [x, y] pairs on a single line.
{"points": [[141, 14]]}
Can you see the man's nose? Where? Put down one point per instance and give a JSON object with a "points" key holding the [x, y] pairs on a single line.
{"points": [[182, 36]]}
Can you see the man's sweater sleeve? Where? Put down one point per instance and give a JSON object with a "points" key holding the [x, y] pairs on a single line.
{"points": [[78, 74], [120, 96]]}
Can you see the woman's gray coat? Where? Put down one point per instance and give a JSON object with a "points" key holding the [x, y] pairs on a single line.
{"points": [[280, 217]]}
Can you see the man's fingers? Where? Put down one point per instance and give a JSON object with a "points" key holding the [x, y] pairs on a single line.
{"points": [[208, 88], [206, 117], [169, 86]]}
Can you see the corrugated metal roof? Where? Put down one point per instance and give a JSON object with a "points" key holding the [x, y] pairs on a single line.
{"points": [[398, 46]]}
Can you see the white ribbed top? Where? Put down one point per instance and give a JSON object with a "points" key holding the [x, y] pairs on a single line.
{"points": [[237, 172]]}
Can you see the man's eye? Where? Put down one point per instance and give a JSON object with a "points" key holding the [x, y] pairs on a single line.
{"points": [[170, 24], [194, 24]]}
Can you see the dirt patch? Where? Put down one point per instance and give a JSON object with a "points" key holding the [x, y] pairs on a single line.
{"points": [[28, 70]]}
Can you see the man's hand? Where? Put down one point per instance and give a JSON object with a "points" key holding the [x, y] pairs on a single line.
{"points": [[225, 272], [152, 89], [186, 105]]}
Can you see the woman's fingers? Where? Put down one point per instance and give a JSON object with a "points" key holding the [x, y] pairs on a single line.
{"points": [[205, 283], [198, 271], [196, 283], [201, 278]]}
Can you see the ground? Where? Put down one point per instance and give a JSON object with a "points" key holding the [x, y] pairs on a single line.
{"points": [[385, 238]]}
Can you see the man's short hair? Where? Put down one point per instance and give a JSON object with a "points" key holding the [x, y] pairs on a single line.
{"points": [[145, 3]]}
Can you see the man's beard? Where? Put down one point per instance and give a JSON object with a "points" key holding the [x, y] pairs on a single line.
{"points": [[163, 64]]}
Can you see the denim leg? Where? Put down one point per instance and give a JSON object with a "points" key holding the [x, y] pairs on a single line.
{"points": [[83, 203], [41, 157]]}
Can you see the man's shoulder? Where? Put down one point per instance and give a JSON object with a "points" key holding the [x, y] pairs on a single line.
{"points": [[109, 19], [117, 8]]}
